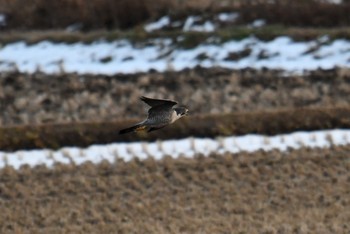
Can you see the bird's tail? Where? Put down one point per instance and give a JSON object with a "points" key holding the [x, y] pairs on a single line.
{"points": [[135, 128]]}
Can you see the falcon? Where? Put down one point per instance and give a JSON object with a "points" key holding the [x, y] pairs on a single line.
{"points": [[161, 114]]}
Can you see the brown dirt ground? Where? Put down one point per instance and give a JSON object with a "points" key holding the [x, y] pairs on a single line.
{"points": [[301, 191]]}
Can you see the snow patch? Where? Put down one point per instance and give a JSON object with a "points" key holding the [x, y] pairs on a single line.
{"points": [[228, 17], [174, 148], [161, 23], [191, 24], [258, 23], [159, 54]]}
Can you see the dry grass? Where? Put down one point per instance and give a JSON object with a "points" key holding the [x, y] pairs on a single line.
{"points": [[124, 14], [41, 14], [297, 13], [190, 39], [301, 20], [303, 191]]}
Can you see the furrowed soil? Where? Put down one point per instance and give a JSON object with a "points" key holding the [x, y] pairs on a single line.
{"points": [[52, 111], [41, 98], [300, 191]]}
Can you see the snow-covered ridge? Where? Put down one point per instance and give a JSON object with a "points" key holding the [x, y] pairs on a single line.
{"points": [[175, 148], [121, 56]]}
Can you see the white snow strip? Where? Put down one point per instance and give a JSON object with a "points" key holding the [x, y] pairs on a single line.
{"points": [[258, 23], [174, 148], [334, 1], [192, 25], [228, 17], [161, 23], [159, 54]]}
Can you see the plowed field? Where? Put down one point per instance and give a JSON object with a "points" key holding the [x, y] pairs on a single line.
{"points": [[41, 98], [303, 191], [300, 191]]}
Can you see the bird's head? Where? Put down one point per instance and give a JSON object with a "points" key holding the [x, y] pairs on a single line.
{"points": [[181, 111]]}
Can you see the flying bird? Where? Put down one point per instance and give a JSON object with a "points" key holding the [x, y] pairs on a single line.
{"points": [[161, 114]]}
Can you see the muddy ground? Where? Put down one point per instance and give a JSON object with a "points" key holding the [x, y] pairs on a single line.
{"points": [[301, 191], [40, 98]]}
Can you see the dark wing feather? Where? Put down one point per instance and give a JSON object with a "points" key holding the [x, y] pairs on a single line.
{"points": [[157, 102], [160, 114]]}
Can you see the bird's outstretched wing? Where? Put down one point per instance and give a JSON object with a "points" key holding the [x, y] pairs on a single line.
{"points": [[157, 102]]}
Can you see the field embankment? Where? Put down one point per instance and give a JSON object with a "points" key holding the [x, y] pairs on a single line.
{"points": [[83, 134]]}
